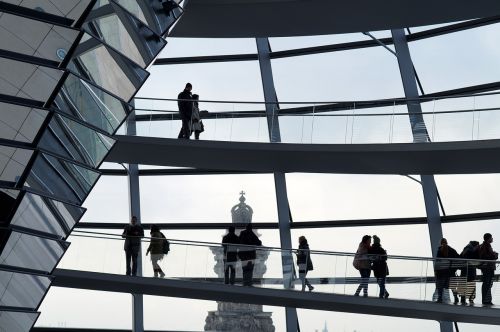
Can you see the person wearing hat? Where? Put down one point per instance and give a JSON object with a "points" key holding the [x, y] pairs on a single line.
{"points": [[378, 256]]}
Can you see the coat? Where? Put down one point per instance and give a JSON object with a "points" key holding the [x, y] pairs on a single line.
{"points": [[445, 268], [185, 107], [469, 269], [249, 238], [378, 257], [132, 235], [486, 252], [156, 244], [361, 260], [230, 252], [195, 118], [304, 257]]}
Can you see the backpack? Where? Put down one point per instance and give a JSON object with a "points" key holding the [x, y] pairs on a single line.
{"points": [[166, 245]]}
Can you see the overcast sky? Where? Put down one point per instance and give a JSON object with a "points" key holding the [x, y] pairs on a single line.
{"points": [[446, 62]]}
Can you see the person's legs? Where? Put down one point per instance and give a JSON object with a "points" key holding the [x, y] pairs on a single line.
{"points": [[232, 275], [245, 270], [227, 266], [365, 275], [128, 257], [184, 133], [382, 291], [135, 254], [440, 286], [197, 134], [487, 284]]}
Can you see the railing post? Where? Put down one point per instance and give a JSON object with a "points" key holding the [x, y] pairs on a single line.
{"points": [[135, 210], [420, 135], [264, 50]]}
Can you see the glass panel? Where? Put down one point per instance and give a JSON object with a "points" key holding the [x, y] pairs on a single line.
{"points": [[91, 104], [125, 33], [62, 179], [26, 80], [20, 123], [30, 37], [107, 68], [22, 290], [32, 252], [17, 321], [158, 17], [46, 215], [72, 140], [71, 9], [13, 161]]}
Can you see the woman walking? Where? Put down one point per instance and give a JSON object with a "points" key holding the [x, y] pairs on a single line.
{"points": [[362, 264], [304, 262], [156, 247], [197, 124], [378, 256]]}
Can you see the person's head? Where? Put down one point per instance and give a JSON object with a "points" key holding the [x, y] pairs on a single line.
{"points": [[155, 228], [231, 229], [474, 243], [488, 238], [188, 87], [376, 240], [444, 242], [196, 97], [133, 220], [302, 239], [367, 240], [248, 227]]}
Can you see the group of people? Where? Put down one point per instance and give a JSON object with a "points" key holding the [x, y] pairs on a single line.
{"points": [[446, 265], [189, 113], [449, 262], [369, 257]]}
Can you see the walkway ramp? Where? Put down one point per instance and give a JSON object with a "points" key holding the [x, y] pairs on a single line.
{"points": [[274, 297], [399, 158]]}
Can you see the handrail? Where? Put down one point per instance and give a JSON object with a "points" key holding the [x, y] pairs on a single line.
{"points": [[322, 252]]}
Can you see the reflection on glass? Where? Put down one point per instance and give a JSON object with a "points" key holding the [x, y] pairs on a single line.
{"points": [[107, 68], [46, 215], [116, 27], [73, 140], [32, 252], [63, 179], [22, 290], [91, 104], [13, 321]]}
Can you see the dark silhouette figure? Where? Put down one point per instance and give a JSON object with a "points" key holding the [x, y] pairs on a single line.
{"points": [[468, 273], [362, 264], [157, 249], [378, 257], [248, 255], [444, 269], [304, 262], [487, 269], [132, 234], [230, 255], [196, 124], [185, 111]]}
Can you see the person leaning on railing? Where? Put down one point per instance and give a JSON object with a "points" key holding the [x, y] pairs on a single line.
{"points": [[487, 269]]}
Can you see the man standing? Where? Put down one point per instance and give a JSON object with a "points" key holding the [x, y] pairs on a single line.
{"points": [[488, 269], [185, 111], [248, 254], [132, 234], [230, 255]]}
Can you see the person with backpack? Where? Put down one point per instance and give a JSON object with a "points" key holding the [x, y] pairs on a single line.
{"points": [[487, 269], [362, 264], [378, 257], [468, 273], [230, 255], [158, 247], [248, 254]]}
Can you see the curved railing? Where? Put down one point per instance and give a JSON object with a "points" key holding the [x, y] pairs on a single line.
{"points": [[410, 278], [452, 118]]}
